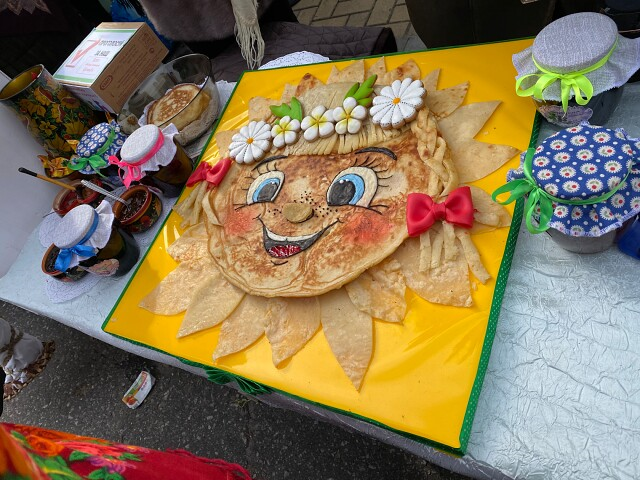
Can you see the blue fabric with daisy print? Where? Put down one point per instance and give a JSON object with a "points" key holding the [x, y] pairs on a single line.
{"points": [[95, 138], [587, 162]]}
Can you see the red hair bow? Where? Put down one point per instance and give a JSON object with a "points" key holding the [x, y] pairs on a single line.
{"points": [[422, 211], [212, 174]]}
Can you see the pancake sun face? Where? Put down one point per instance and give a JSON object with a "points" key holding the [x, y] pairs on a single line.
{"points": [[304, 225]]}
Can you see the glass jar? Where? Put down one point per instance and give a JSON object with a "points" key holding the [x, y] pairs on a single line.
{"points": [[116, 258], [151, 156], [90, 239], [171, 178], [581, 185], [94, 149], [575, 69]]}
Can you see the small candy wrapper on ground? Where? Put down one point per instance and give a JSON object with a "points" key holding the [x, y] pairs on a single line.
{"points": [[139, 390]]}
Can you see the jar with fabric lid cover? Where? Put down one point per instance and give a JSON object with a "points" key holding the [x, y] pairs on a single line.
{"points": [[576, 68], [94, 149], [151, 156], [582, 186], [87, 237]]}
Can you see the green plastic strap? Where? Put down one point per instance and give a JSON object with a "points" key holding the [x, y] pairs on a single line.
{"points": [[95, 161], [538, 197], [221, 377], [575, 81]]}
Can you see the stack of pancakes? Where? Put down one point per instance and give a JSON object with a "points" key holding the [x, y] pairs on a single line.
{"points": [[181, 105]]}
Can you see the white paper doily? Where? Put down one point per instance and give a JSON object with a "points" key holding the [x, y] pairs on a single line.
{"points": [[296, 58], [59, 292]]}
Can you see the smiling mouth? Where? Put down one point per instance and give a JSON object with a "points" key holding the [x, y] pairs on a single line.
{"points": [[282, 247]]}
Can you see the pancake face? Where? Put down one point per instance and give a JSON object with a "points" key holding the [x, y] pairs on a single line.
{"points": [[303, 225]]}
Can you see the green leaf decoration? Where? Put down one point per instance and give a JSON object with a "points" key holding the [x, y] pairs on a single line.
{"points": [[364, 91], [13, 476], [19, 436], [294, 110], [77, 455], [113, 476], [56, 468], [100, 474], [129, 456], [352, 91]]}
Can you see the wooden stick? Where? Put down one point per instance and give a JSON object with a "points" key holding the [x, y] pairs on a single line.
{"points": [[47, 179]]}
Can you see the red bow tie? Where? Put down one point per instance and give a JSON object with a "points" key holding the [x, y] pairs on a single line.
{"points": [[211, 174], [422, 211]]}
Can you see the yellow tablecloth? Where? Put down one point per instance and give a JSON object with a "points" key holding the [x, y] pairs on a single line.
{"points": [[424, 378]]}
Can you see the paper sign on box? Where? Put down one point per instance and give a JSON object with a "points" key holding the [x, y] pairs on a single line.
{"points": [[110, 63]]}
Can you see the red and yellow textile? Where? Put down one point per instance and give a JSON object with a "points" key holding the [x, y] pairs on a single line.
{"points": [[33, 453]]}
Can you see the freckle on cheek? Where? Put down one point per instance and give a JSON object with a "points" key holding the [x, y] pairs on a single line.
{"points": [[366, 229], [240, 222]]}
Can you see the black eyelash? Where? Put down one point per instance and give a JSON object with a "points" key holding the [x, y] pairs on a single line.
{"points": [[374, 207], [258, 170], [368, 163], [267, 167]]}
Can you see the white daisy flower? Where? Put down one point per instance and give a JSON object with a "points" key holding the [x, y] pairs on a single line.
{"points": [[585, 154], [601, 137], [613, 166], [588, 168], [635, 203], [349, 116], [397, 103], [541, 161], [594, 185], [251, 143], [570, 187], [558, 145], [579, 140], [551, 189], [606, 213], [606, 151], [635, 184], [567, 172], [285, 132], [617, 200], [577, 231], [318, 124], [576, 213], [544, 174], [561, 157]]}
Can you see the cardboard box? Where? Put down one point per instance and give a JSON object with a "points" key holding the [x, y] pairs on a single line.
{"points": [[107, 67]]}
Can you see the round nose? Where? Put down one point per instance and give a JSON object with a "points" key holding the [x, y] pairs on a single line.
{"points": [[297, 212]]}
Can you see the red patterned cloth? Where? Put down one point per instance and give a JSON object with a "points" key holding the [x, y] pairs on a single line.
{"points": [[36, 453]]}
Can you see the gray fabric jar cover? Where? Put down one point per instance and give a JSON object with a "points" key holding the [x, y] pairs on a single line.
{"points": [[576, 42]]}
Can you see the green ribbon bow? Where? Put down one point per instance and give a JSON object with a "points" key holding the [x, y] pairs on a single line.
{"points": [[576, 81], [221, 377], [538, 197], [95, 161]]}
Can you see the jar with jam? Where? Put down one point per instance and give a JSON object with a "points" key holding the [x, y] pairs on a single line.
{"points": [[94, 149], [88, 238], [582, 186], [576, 69], [150, 155]]}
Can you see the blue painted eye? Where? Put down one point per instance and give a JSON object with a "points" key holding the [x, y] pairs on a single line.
{"points": [[265, 188], [353, 186]]}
